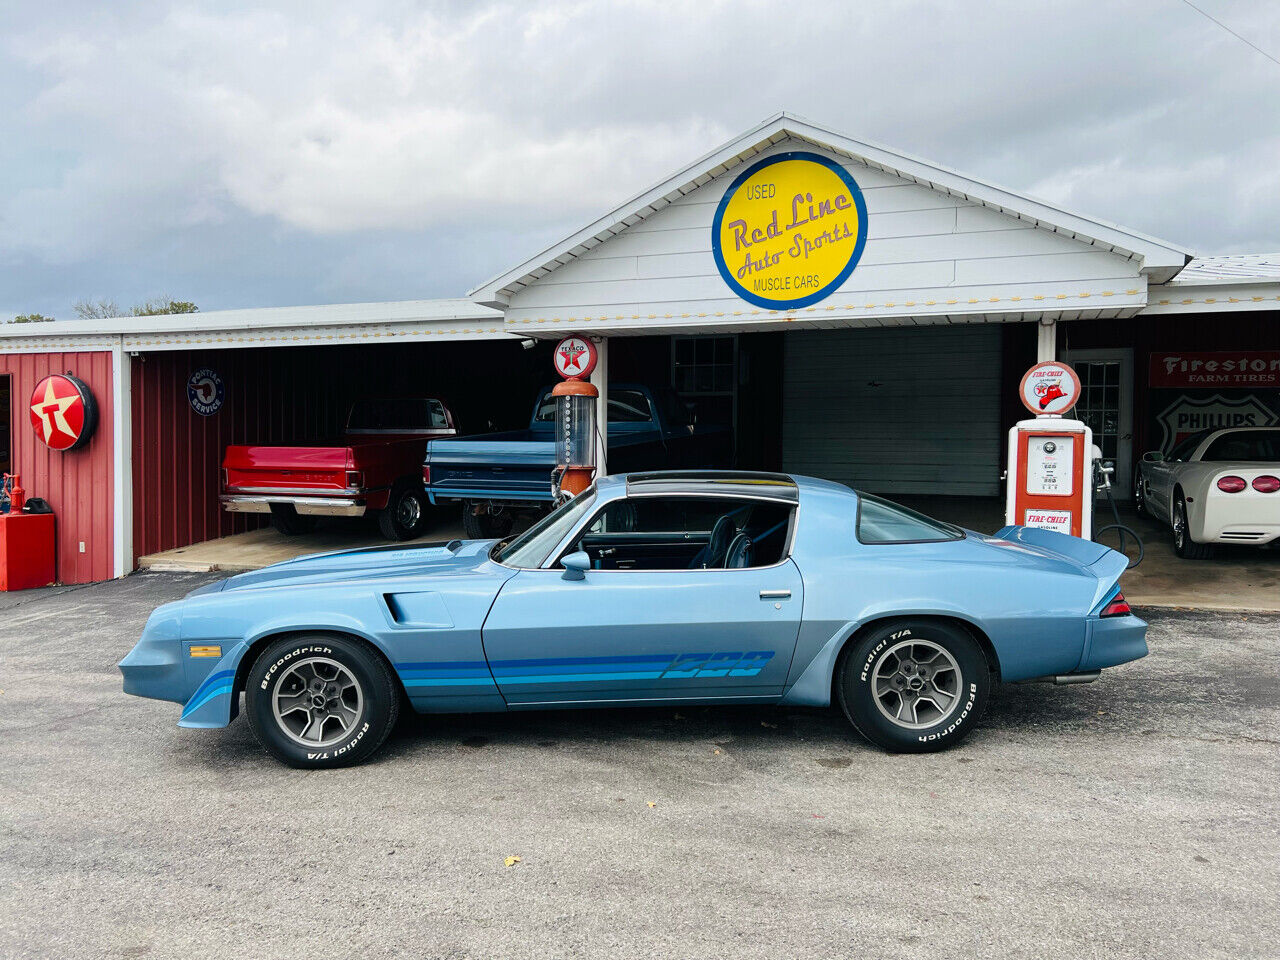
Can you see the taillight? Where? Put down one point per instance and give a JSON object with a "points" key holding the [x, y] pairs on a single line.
{"points": [[1231, 484], [426, 473], [1266, 483], [355, 480], [1118, 607]]}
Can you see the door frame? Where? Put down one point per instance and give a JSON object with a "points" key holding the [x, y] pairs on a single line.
{"points": [[1122, 481]]}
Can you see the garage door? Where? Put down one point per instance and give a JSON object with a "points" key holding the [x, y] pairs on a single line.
{"points": [[895, 411]]}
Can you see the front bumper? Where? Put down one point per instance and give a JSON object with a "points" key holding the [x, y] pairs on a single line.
{"points": [[162, 666]]}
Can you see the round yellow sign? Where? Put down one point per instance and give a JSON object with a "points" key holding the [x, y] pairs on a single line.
{"points": [[789, 230]]}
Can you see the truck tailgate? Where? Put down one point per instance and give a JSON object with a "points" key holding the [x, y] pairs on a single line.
{"points": [[261, 468], [508, 465]]}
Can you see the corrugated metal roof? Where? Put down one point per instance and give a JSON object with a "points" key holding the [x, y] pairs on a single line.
{"points": [[1251, 266]]}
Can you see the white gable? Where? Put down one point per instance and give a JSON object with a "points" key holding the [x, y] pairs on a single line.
{"points": [[931, 256]]}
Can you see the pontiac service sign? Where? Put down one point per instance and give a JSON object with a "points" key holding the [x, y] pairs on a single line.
{"points": [[789, 230]]}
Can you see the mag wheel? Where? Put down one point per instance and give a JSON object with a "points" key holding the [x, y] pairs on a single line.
{"points": [[404, 516], [1139, 495], [914, 685], [318, 702]]}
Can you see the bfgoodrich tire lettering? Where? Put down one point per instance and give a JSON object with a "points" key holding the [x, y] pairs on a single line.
{"points": [[914, 685], [335, 681]]}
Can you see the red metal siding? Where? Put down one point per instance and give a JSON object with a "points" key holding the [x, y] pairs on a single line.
{"points": [[77, 483], [177, 453]]}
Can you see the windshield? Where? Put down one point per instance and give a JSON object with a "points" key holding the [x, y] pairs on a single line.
{"points": [[531, 549]]}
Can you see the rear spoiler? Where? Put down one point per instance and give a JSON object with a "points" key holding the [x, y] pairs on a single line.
{"points": [[1101, 561]]}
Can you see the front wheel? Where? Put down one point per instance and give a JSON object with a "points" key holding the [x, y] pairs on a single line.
{"points": [[914, 686], [1139, 495], [316, 702]]}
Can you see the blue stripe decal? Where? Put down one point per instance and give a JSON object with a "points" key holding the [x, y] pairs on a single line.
{"points": [[210, 680], [220, 690], [661, 666]]}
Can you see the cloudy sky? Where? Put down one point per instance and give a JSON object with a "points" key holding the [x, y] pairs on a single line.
{"points": [[321, 152]]}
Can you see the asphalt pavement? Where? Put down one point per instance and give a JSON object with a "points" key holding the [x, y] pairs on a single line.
{"points": [[1135, 817]]}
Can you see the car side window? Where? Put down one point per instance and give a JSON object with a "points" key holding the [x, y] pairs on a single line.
{"points": [[686, 533], [880, 522], [1182, 452]]}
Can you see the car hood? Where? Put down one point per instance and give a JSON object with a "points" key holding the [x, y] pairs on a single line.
{"points": [[395, 560]]}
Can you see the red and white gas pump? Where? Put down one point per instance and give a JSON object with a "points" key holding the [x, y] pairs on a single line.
{"points": [[574, 358], [1050, 476]]}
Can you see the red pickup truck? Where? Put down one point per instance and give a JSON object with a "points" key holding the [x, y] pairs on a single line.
{"points": [[375, 467]]}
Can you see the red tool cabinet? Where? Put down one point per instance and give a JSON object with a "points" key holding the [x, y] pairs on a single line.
{"points": [[26, 550]]}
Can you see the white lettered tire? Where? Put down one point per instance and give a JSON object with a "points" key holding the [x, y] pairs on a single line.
{"points": [[914, 685], [320, 701]]}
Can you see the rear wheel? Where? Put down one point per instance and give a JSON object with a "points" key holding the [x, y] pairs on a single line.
{"points": [[286, 519], [913, 686], [405, 515], [318, 702], [1183, 545], [1139, 495], [484, 525]]}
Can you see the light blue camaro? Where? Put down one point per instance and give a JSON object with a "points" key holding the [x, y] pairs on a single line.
{"points": [[650, 588]]}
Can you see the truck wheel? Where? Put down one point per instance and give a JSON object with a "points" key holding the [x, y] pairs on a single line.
{"points": [[405, 515], [316, 702], [484, 525], [1183, 545], [914, 686], [286, 519]]}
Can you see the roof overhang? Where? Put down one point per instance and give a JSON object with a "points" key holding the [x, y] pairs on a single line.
{"points": [[327, 324], [1158, 259], [1214, 296]]}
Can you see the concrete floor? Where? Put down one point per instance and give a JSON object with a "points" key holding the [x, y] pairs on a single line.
{"points": [[1237, 578], [1132, 818]]}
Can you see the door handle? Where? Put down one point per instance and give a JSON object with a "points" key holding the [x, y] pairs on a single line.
{"points": [[775, 594]]}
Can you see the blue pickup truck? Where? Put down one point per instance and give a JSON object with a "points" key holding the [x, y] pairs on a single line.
{"points": [[498, 475]]}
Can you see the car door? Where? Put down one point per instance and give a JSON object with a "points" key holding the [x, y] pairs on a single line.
{"points": [[653, 633]]}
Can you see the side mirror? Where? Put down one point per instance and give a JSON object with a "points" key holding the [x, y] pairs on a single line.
{"points": [[576, 566], [1152, 456]]}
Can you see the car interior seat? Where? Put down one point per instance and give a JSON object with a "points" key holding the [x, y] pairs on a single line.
{"points": [[717, 548], [739, 554]]}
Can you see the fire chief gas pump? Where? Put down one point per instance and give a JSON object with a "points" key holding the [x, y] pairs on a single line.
{"points": [[574, 358], [1050, 472]]}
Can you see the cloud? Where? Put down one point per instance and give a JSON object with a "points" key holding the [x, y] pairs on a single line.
{"points": [[324, 136]]}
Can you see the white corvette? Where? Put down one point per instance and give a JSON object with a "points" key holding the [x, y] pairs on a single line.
{"points": [[1217, 486]]}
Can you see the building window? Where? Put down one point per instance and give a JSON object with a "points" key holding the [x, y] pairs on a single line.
{"points": [[704, 371]]}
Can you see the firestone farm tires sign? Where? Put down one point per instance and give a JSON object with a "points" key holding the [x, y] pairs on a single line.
{"points": [[789, 230]]}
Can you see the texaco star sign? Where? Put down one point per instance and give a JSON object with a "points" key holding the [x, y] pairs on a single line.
{"points": [[575, 358], [63, 412]]}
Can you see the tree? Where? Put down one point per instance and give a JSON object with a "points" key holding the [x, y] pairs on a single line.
{"points": [[152, 307], [31, 318], [158, 306], [96, 309]]}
